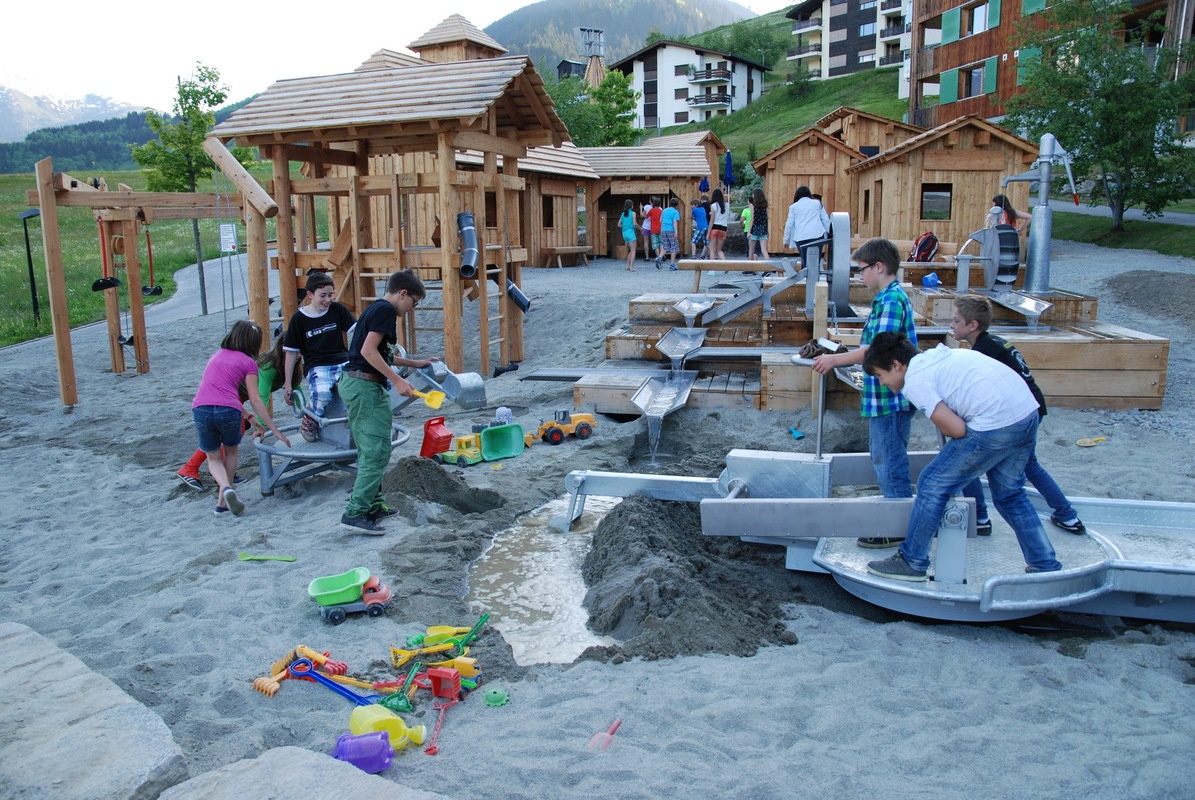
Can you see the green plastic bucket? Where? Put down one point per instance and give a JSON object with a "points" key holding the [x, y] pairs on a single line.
{"points": [[502, 441], [333, 590]]}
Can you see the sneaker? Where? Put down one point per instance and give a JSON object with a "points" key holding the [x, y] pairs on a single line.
{"points": [[657, 263], [983, 528], [192, 481], [237, 480], [220, 510], [1076, 527], [234, 503], [381, 511], [309, 429], [1033, 570], [361, 524], [878, 542], [672, 269], [895, 567]]}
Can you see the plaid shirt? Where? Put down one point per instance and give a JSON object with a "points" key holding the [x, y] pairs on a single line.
{"points": [[890, 311]]}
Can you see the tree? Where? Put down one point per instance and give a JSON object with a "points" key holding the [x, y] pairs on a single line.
{"points": [[175, 160], [1112, 100], [599, 118]]}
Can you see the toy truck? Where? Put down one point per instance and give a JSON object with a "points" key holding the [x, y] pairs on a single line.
{"points": [[465, 450], [490, 444], [566, 422], [355, 590]]}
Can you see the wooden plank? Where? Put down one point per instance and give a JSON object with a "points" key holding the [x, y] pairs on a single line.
{"points": [[608, 394], [808, 166], [477, 140], [1107, 403], [963, 160], [1100, 382], [779, 374]]}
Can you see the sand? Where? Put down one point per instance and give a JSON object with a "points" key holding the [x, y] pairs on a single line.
{"points": [[733, 676]]}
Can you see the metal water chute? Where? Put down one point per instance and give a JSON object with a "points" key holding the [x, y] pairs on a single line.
{"points": [[1041, 230]]}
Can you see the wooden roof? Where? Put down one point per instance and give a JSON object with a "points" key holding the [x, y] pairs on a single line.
{"points": [[386, 59], [661, 160], [456, 29], [386, 106], [688, 139], [933, 134], [565, 160], [801, 138]]}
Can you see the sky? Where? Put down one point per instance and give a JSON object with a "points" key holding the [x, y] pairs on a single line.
{"points": [[134, 53]]}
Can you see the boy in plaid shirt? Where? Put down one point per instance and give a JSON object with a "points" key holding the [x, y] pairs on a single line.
{"points": [[888, 414]]}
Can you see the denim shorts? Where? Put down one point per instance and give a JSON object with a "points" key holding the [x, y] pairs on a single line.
{"points": [[216, 426]]}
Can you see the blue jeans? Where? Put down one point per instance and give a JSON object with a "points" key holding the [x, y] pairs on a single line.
{"points": [[1036, 474], [1002, 454], [217, 426], [888, 441]]}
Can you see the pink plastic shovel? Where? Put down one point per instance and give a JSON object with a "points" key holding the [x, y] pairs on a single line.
{"points": [[602, 739]]}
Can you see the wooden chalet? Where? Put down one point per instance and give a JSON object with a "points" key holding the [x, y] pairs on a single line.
{"points": [[667, 166], [367, 141], [942, 180], [870, 134]]}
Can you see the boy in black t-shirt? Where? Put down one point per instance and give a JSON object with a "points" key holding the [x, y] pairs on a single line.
{"points": [[317, 333]]}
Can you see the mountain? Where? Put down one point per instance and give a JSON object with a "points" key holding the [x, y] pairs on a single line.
{"points": [[21, 113], [547, 31]]}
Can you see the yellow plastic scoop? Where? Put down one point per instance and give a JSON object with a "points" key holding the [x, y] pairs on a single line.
{"points": [[431, 399], [1090, 442]]}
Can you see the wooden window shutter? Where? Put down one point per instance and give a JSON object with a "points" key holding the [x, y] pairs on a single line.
{"points": [[989, 74], [950, 25], [948, 91]]}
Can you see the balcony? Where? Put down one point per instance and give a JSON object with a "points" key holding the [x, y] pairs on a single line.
{"points": [[718, 100], [807, 24], [888, 5], [702, 76], [888, 61], [895, 30], [805, 50]]}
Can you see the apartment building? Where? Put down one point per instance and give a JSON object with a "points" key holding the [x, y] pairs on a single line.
{"points": [[838, 37], [680, 83]]}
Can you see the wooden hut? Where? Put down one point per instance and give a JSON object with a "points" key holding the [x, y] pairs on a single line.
{"points": [[870, 134], [941, 180], [815, 159], [496, 107], [670, 166]]}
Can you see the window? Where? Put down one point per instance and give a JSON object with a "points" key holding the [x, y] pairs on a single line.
{"points": [[866, 206], [681, 94], [681, 116], [974, 20], [935, 200], [549, 212], [867, 5], [491, 210], [972, 82], [681, 69], [867, 29], [867, 58]]}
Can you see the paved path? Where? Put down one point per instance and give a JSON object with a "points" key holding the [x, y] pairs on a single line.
{"points": [[1171, 217]]}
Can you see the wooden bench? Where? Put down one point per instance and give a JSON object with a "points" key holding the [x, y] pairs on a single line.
{"points": [[569, 250]]}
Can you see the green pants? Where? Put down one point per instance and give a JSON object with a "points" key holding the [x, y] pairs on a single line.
{"points": [[370, 418]]}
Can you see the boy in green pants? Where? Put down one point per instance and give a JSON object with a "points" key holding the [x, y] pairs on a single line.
{"points": [[363, 390]]}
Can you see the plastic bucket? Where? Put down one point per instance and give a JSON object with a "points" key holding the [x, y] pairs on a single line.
{"points": [[369, 752], [502, 441]]}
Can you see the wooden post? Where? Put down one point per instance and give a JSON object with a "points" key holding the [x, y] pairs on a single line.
{"points": [[258, 267], [287, 285], [250, 190], [136, 303], [56, 282], [450, 275], [111, 297], [512, 233]]}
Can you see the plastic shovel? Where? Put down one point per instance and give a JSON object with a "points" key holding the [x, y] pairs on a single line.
{"points": [[602, 739], [303, 668], [247, 557], [433, 399]]}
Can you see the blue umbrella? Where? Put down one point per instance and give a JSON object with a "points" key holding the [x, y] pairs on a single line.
{"points": [[704, 186], [728, 178]]}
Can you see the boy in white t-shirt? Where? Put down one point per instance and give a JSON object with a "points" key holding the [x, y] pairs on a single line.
{"points": [[991, 418]]}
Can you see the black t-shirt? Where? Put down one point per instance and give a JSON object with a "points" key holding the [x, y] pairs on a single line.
{"points": [[320, 340], [381, 317], [1008, 355]]}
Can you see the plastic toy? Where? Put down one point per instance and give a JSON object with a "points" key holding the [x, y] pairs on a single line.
{"points": [[566, 422], [436, 438], [496, 697], [489, 444], [246, 557], [374, 718], [303, 668], [370, 752], [602, 739], [280, 669], [355, 590]]}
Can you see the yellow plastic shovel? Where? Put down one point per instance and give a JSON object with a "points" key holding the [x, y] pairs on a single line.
{"points": [[433, 399]]}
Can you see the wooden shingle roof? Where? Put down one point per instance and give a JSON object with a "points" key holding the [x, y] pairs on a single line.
{"points": [[456, 29], [386, 59], [391, 103], [689, 139], [565, 160], [933, 134], [662, 160]]}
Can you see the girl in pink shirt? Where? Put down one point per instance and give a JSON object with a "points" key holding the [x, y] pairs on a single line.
{"points": [[217, 408]]}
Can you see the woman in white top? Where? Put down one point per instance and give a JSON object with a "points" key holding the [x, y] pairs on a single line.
{"points": [[719, 222], [807, 221], [1008, 215]]}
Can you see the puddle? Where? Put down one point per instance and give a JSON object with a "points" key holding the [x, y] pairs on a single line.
{"points": [[529, 581]]}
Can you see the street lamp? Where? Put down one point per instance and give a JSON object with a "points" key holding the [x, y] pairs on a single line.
{"points": [[25, 217]]}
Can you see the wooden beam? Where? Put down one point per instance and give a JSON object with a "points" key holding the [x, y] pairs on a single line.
{"points": [[320, 155], [65, 183], [135, 199], [476, 140], [56, 282], [341, 247], [250, 189]]}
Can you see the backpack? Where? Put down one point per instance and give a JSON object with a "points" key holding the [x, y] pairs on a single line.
{"points": [[925, 247]]}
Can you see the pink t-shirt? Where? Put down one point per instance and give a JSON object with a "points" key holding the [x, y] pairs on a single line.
{"points": [[225, 370]]}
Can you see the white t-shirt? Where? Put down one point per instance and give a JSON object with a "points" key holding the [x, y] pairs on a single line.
{"points": [[981, 390]]}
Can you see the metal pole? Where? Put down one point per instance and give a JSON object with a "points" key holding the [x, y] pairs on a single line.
{"points": [[25, 215]]}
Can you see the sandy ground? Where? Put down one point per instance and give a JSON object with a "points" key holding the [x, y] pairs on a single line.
{"points": [[734, 676]]}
